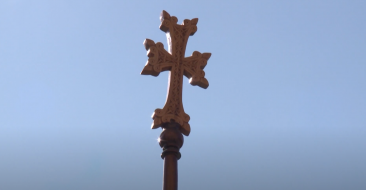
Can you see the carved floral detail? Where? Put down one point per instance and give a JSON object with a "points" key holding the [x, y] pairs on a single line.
{"points": [[161, 60]]}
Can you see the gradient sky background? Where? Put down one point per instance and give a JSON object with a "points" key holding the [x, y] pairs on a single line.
{"points": [[285, 109]]}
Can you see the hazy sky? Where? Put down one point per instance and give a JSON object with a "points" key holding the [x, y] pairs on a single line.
{"points": [[285, 109]]}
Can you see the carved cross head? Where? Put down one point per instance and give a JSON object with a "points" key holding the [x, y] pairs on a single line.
{"points": [[174, 61]]}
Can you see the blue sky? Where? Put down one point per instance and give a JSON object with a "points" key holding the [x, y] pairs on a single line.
{"points": [[285, 108]]}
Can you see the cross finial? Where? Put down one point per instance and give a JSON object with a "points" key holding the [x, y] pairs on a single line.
{"points": [[178, 65]]}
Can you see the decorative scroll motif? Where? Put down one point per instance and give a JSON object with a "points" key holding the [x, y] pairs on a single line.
{"points": [[175, 62]]}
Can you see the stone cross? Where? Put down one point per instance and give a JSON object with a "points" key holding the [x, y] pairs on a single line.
{"points": [[178, 65]]}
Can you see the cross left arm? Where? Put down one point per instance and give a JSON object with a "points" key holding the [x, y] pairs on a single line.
{"points": [[159, 59]]}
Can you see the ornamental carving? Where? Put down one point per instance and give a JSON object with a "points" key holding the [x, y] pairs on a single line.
{"points": [[174, 61]]}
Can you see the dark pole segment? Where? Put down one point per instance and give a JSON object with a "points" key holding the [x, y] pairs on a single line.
{"points": [[171, 140], [170, 179]]}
